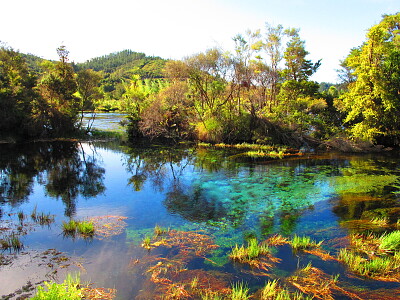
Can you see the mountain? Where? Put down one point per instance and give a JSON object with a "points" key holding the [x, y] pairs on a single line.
{"points": [[124, 64]]}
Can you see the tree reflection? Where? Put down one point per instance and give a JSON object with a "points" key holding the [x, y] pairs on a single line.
{"points": [[64, 168]]}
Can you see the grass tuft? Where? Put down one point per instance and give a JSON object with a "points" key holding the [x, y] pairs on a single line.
{"points": [[240, 291], [390, 242], [304, 242]]}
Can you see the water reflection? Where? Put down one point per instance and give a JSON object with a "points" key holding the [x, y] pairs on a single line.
{"points": [[65, 169], [218, 194]]}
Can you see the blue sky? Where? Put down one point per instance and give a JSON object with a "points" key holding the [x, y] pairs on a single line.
{"points": [[179, 28]]}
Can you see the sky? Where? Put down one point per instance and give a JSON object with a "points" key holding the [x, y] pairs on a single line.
{"points": [[175, 29]]}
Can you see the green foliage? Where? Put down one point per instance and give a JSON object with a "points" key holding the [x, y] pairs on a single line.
{"points": [[240, 291], [84, 228], [372, 102], [249, 253], [17, 93], [391, 241], [304, 242], [375, 267], [69, 289]]}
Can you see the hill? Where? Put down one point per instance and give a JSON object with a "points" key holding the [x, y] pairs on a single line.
{"points": [[124, 64]]}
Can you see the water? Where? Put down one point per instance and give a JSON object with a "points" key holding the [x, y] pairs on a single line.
{"points": [[104, 121], [209, 200]]}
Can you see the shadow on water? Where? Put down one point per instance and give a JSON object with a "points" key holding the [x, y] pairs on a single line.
{"points": [[65, 169]]}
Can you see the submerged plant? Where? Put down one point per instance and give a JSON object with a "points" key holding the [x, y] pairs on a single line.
{"points": [[158, 230]]}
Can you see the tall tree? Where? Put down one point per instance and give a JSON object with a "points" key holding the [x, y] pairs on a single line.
{"points": [[88, 82], [57, 88], [298, 68], [273, 47], [373, 100]]}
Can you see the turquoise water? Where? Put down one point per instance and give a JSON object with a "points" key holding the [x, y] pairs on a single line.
{"points": [[209, 200]]}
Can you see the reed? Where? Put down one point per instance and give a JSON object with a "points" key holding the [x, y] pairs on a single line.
{"points": [[34, 213], [45, 219], [21, 216]]}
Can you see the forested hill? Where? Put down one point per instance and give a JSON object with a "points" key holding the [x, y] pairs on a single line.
{"points": [[126, 63]]}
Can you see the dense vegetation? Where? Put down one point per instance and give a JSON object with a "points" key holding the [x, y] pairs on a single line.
{"points": [[261, 92]]}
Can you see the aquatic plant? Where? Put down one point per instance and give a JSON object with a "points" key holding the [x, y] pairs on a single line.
{"points": [[72, 289], [69, 289], [70, 227], [390, 242], [277, 240], [86, 228], [315, 283], [252, 251], [240, 291], [34, 213], [146, 243], [21, 216], [304, 242], [384, 268], [257, 255], [11, 242], [158, 230], [107, 226], [44, 219], [273, 291], [209, 295], [380, 221]]}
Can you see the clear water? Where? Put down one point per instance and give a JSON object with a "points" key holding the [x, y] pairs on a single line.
{"points": [[214, 193], [104, 121]]}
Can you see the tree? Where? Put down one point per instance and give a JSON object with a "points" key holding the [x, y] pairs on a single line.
{"points": [[372, 103], [57, 88], [298, 68], [273, 47], [16, 92], [88, 82]]}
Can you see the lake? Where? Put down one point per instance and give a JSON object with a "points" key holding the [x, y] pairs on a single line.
{"points": [[168, 220]]}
